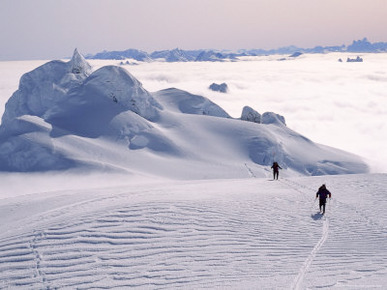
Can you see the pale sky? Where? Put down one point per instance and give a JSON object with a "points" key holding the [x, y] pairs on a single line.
{"points": [[51, 29]]}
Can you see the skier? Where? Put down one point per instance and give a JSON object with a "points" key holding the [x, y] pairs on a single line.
{"points": [[275, 168], [323, 193]]}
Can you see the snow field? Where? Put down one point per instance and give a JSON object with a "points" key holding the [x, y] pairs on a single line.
{"points": [[240, 233]]}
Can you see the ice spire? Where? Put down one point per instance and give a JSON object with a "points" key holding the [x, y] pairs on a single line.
{"points": [[79, 65]]}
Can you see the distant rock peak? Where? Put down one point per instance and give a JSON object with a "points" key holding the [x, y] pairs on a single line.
{"points": [[222, 88], [273, 118], [250, 115]]}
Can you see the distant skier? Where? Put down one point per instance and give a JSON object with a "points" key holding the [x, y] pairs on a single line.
{"points": [[275, 168], [323, 193]]}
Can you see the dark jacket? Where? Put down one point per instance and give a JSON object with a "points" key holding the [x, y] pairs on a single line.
{"points": [[276, 166], [323, 193]]}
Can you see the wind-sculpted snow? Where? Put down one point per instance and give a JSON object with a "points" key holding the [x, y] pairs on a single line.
{"points": [[89, 109], [223, 234], [180, 101], [64, 116], [42, 88]]}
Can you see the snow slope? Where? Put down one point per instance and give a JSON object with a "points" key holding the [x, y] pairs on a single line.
{"points": [[164, 193], [65, 116], [219, 234]]}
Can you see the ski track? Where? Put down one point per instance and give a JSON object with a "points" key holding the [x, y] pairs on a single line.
{"points": [[236, 239], [325, 229], [300, 277], [354, 251]]}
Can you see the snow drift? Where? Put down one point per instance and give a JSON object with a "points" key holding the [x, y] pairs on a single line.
{"points": [[64, 116]]}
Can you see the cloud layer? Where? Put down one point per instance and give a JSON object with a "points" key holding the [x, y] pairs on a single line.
{"points": [[342, 105]]}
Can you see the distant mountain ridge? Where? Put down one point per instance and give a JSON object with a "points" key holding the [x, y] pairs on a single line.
{"points": [[179, 55]]}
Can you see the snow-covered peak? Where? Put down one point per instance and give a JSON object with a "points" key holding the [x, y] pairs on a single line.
{"points": [[108, 88], [44, 87], [56, 86], [79, 65], [176, 55]]}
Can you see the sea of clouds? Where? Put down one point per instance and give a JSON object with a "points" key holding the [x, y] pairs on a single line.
{"points": [[339, 104]]}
